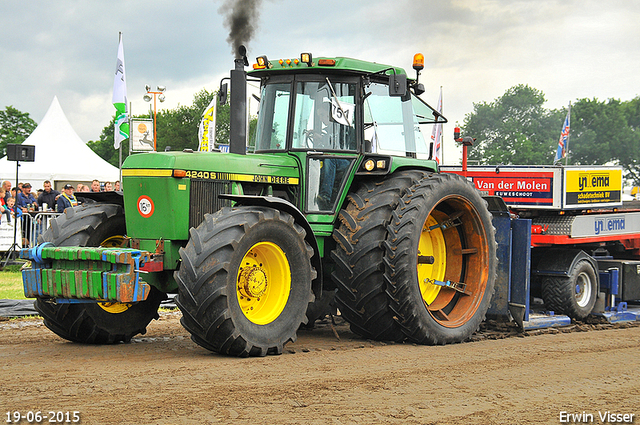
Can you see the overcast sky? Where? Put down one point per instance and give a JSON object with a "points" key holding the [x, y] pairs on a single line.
{"points": [[474, 49]]}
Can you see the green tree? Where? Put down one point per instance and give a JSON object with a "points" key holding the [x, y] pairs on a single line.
{"points": [[513, 129], [606, 133], [104, 146], [15, 127], [177, 128]]}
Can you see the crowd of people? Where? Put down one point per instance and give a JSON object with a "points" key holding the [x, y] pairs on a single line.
{"points": [[15, 201]]}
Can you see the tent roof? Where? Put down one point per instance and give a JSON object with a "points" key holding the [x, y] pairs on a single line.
{"points": [[60, 155]]}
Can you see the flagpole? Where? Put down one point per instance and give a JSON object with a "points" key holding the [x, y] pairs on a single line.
{"points": [[119, 147], [566, 159], [441, 130]]}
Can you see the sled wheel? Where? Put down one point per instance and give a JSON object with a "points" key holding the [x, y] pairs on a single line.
{"points": [[574, 296], [440, 260], [95, 224], [245, 281], [361, 296]]}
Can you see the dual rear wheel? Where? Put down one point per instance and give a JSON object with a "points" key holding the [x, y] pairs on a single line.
{"points": [[415, 258]]}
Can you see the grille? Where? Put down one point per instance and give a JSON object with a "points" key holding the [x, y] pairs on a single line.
{"points": [[204, 199]]}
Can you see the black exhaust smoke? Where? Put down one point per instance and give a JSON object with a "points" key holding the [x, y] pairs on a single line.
{"points": [[241, 19], [241, 16]]}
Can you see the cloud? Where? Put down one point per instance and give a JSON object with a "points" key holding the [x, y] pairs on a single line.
{"points": [[474, 49]]}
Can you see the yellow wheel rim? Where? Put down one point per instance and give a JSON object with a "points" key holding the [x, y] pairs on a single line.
{"points": [[115, 308], [431, 244], [113, 242], [460, 255], [263, 283], [111, 307]]}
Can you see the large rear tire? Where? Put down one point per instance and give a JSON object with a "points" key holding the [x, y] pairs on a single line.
{"points": [[245, 281], [95, 224], [440, 238], [361, 296]]}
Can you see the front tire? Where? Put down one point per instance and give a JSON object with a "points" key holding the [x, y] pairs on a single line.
{"points": [[95, 323], [245, 281], [440, 238]]}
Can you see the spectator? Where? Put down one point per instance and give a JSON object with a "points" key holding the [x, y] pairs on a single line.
{"points": [[79, 187], [116, 186], [85, 188], [7, 187], [107, 187], [26, 198], [49, 195], [95, 186], [3, 207], [11, 204], [66, 200]]}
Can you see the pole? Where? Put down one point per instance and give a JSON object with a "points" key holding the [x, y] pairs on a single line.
{"points": [[566, 158], [155, 130], [212, 126]]}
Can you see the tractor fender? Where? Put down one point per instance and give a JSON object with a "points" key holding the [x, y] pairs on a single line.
{"points": [[102, 197], [560, 262], [286, 206]]}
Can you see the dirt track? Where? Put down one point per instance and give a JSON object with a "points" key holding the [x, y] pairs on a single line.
{"points": [[164, 378]]}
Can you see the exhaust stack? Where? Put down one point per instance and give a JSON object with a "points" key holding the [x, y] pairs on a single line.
{"points": [[238, 106]]}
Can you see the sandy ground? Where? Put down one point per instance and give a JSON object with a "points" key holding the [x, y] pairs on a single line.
{"points": [[164, 378]]}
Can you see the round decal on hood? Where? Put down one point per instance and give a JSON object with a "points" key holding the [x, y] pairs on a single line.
{"points": [[145, 206]]}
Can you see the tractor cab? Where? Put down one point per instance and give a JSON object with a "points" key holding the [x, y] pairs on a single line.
{"points": [[340, 117]]}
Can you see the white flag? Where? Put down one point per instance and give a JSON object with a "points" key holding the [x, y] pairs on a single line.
{"points": [[121, 130], [436, 135]]}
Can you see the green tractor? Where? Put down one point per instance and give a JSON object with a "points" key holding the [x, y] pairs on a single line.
{"points": [[340, 202]]}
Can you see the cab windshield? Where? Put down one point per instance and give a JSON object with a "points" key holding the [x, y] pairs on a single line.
{"points": [[325, 118]]}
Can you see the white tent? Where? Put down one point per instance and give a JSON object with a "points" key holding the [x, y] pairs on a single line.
{"points": [[60, 156]]}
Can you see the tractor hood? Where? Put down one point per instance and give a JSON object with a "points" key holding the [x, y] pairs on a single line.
{"points": [[212, 166]]}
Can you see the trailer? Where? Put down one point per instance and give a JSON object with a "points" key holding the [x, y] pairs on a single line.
{"points": [[568, 246]]}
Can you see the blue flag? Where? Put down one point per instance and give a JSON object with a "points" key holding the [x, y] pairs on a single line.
{"points": [[563, 143]]}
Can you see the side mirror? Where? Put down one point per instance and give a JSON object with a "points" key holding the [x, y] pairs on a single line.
{"points": [[223, 94], [397, 85]]}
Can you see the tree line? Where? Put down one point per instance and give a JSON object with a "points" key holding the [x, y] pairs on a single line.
{"points": [[516, 129], [177, 129], [513, 129]]}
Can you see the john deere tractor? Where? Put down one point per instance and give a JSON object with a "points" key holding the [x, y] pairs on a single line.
{"points": [[339, 202]]}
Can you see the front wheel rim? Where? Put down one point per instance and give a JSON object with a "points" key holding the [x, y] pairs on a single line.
{"points": [[263, 283], [116, 241]]}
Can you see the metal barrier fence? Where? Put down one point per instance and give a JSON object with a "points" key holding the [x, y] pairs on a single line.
{"points": [[34, 224]]}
